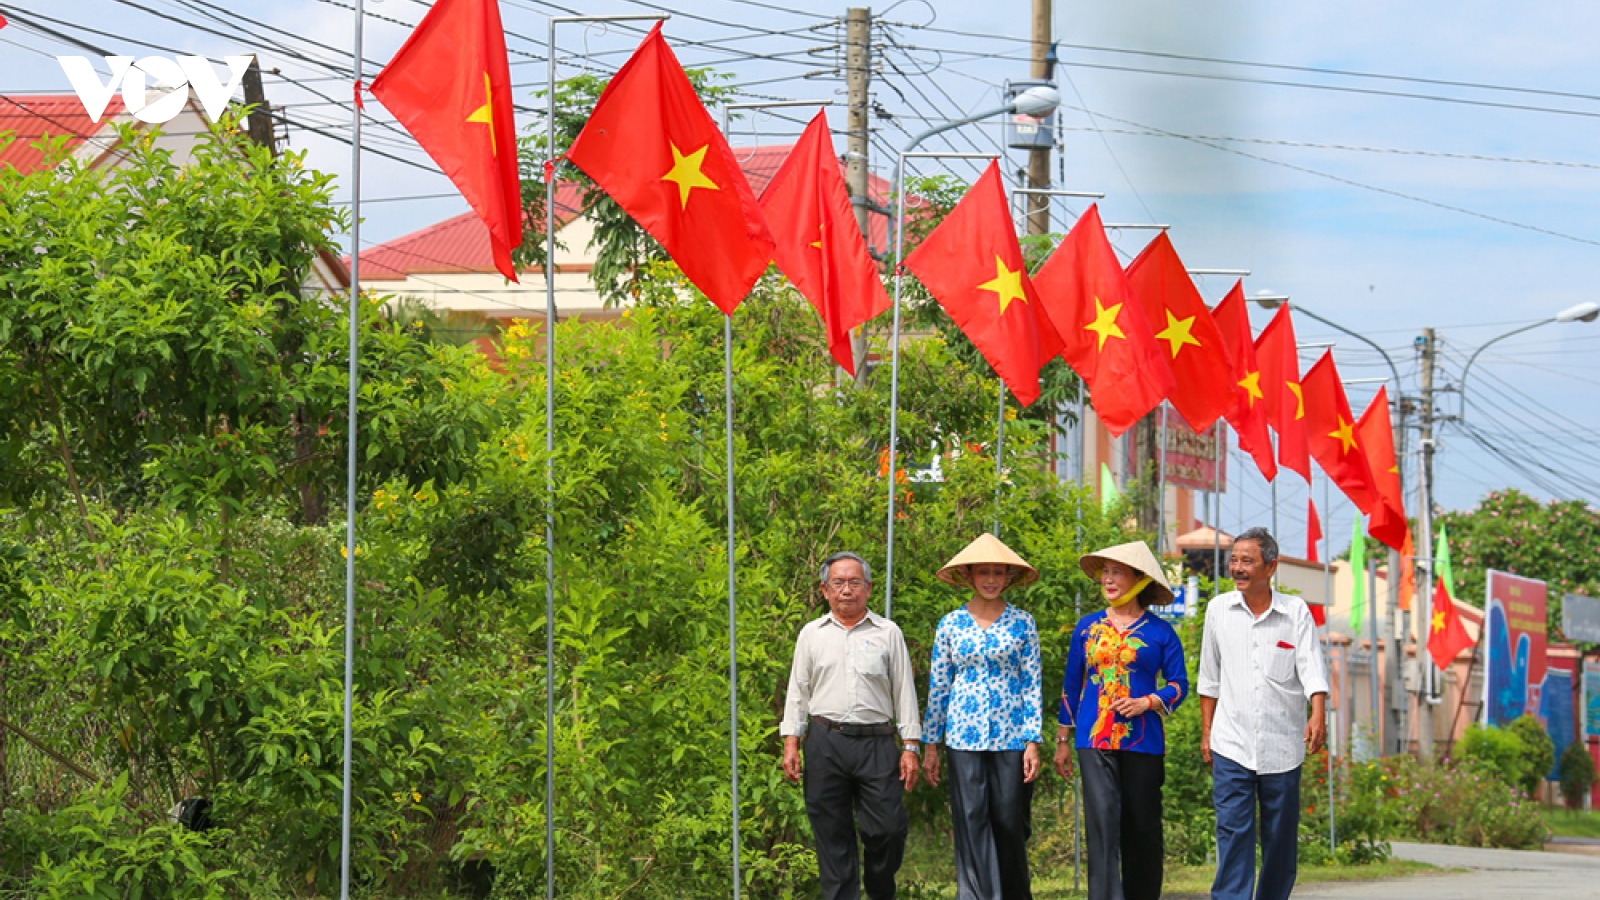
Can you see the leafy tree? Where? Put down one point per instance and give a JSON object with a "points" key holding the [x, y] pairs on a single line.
{"points": [[1512, 532], [1540, 752]]}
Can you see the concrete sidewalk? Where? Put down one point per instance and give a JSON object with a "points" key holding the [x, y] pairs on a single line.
{"points": [[1490, 875]]}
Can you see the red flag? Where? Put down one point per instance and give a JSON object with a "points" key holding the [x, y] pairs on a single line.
{"points": [[1313, 530], [3, 22], [1108, 341], [1330, 430], [1377, 438], [1249, 415], [651, 145], [1203, 392], [450, 86], [973, 265], [1408, 572], [1447, 637], [819, 245], [1280, 389]]}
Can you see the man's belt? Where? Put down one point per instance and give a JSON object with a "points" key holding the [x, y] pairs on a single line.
{"points": [[879, 729]]}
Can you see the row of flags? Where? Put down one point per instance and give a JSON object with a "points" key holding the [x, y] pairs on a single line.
{"points": [[1138, 336]]}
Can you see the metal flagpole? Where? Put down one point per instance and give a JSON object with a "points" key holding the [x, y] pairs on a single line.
{"points": [[1161, 484], [1216, 508], [350, 463], [733, 602], [1327, 599], [1077, 613], [550, 442], [999, 457], [894, 334]]}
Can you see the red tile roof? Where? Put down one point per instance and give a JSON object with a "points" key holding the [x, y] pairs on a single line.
{"points": [[33, 116], [460, 245]]}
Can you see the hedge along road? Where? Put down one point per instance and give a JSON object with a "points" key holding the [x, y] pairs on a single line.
{"points": [[1489, 875]]}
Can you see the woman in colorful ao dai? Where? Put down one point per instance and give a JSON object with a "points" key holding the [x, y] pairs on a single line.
{"points": [[984, 698], [1112, 697]]}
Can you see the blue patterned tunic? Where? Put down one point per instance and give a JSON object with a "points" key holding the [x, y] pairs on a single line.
{"points": [[984, 686]]}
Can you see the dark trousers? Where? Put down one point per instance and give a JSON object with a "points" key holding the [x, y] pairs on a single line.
{"points": [[1122, 815], [853, 781], [1237, 792], [990, 805]]}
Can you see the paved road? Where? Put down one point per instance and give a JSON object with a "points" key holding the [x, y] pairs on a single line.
{"points": [[1490, 875]]}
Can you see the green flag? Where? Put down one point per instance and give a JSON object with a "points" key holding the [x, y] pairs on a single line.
{"points": [[1441, 563], [1109, 495], [1358, 569]]}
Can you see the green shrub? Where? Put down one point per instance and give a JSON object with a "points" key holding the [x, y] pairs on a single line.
{"points": [[1541, 753], [1497, 748], [1466, 802], [1577, 774]]}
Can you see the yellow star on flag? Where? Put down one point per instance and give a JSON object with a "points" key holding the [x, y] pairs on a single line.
{"points": [[1105, 323], [485, 114], [1438, 620], [686, 173], [1006, 283], [1300, 399], [1252, 387], [1177, 333], [1346, 433], [822, 231]]}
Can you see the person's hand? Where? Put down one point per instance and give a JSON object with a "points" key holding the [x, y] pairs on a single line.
{"points": [[1316, 732], [930, 764], [792, 767], [909, 770], [1128, 707], [1030, 763], [1205, 747], [1063, 759]]}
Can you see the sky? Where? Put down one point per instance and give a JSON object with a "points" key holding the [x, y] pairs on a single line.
{"points": [[1390, 167]]}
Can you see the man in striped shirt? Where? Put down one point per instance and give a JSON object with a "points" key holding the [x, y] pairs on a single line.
{"points": [[1260, 667]]}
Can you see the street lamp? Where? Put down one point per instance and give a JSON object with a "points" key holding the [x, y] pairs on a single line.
{"points": [[1587, 311], [1038, 101]]}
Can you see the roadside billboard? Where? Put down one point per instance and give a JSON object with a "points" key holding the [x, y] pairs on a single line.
{"points": [[1515, 615]]}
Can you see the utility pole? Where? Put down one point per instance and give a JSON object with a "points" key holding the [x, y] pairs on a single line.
{"points": [[260, 125], [1039, 157], [858, 81], [1428, 346]]}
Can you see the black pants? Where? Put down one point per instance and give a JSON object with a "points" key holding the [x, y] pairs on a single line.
{"points": [[854, 781], [1122, 815], [990, 805]]}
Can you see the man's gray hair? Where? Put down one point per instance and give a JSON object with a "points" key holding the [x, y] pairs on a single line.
{"points": [[1264, 540], [866, 567]]}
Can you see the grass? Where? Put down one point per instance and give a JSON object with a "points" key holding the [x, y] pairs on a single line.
{"points": [[1181, 881], [1568, 823]]}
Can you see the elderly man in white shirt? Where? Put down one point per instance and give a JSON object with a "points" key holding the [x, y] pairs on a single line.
{"points": [[1260, 665], [853, 700]]}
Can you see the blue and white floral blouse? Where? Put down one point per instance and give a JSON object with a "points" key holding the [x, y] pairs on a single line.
{"points": [[984, 687]]}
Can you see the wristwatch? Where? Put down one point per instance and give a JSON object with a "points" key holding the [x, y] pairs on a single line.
{"points": [[911, 747]]}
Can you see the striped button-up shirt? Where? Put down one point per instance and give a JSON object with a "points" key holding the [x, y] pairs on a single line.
{"points": [[1262, 671], [859, 675]]}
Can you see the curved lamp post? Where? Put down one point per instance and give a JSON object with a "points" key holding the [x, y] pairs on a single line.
{"points": [[1587, 311], [1038, 101]]}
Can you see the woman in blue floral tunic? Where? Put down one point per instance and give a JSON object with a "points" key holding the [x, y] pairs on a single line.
{"points": [[984, 707]]}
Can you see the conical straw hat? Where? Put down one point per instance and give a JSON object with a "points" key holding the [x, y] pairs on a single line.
{"points": [[987, 549], [1135, 555]]}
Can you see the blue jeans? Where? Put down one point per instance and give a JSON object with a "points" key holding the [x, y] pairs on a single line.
{"points": [[1237, 792]]}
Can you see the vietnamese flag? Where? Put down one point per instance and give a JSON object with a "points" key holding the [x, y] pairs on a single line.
{"points": [[819, 245], [1109, 342], [450, 86], [973, 265], [1203, 392], [1280, 389], [1447, 637], [1408, 572], [1313, 530], [652, 145], [1377, 438], [1331, 438], [1249, 414]]}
